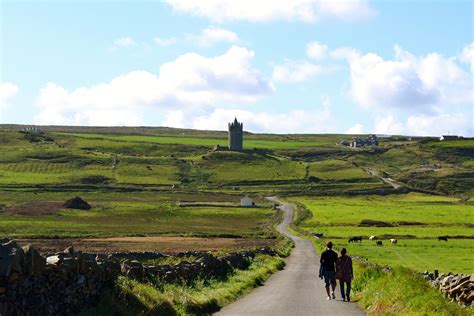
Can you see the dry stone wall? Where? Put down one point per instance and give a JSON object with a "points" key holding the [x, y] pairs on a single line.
{"points": [[456, 287], [67, 282]]}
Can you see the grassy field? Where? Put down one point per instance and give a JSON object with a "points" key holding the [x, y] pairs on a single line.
{"points": [[332, 169], [197, 141], [231, 167], [416, 219], [137, 214]]}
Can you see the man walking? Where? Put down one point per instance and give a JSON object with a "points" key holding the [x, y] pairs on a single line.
{"points": [[328, 261]]}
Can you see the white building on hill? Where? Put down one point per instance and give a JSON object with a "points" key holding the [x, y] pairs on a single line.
{"points": [[246, 202]]}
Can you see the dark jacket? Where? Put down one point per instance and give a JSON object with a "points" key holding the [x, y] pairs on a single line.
{"points": [[344, 268], [328, 260]]}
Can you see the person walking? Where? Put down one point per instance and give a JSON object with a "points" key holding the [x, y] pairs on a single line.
{"points": [[344, 274], [328, 262]]}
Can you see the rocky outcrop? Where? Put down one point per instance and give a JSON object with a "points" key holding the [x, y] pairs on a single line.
{"points": [[67, 282], [456, 287]]}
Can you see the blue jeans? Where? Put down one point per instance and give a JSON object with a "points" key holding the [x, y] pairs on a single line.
{"points": [[347, 293]]}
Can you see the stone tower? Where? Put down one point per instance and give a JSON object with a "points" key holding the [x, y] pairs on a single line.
{"points": [[236, 135]]}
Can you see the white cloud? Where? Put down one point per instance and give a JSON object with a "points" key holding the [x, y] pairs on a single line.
{"points": [[348, 53], [213, 35], [125, 42], [316, 50], [388, 125], [7, 91], [467, 55], [408, 82], [189, 81], [164, 41], [270, 10], [356, 129], [427, 125], [316, 121], [296, 71], [442, 124]]}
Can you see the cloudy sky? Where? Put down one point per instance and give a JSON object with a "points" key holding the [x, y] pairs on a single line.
{"points": [[284, 66]]}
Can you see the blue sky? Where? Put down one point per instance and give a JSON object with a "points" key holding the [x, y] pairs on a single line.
{"points": [[312, 66]]}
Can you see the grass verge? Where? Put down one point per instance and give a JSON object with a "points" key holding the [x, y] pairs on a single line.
{"points": [[401, 291], [131, 297]]}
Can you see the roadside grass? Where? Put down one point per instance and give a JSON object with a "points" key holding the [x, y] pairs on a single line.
{"points": [[131, 297], [401, 292]]}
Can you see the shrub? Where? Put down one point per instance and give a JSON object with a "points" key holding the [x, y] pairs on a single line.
{"points": [[77, 203]]}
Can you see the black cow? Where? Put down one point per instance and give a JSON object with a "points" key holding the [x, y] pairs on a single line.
{"points": [[355, 238], [378, 243], [318, 235], [445, 238]]}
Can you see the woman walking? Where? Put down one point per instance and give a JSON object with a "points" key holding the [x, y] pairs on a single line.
{"points": [[345, 274]]}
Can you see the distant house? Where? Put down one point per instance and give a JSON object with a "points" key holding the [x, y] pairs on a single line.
{"points": [[246, 202], [32, 130], [449, 137], [371, 140]]}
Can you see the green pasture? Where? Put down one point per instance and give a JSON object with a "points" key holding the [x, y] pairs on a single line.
{"points": [[197, 141], [230, 167], [135, 214], [332, 169], [394, 160], [131, 147], [415, 208], [422, 232], [416, 219], [453, 143], [456, 255]]}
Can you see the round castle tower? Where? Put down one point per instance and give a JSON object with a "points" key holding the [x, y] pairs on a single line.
{"points": [[236, 135]]}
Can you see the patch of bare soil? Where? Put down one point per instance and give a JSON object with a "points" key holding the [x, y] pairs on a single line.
{"points": [[138, 244], [35, 208]]}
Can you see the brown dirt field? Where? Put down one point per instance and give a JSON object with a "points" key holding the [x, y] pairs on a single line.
{"points": [[35, 208], [137, 244]]}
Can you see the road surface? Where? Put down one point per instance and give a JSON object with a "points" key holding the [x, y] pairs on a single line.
{"points": [[387, 180], [296, 290]]}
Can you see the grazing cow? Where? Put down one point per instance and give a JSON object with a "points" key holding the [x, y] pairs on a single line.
{"points": [[318, 235], [393, 241], [378, 243], [355, 238], [372, 237], [445, 238]]}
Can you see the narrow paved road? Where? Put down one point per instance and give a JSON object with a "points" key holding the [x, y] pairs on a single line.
{"points": [[296, 290]]}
